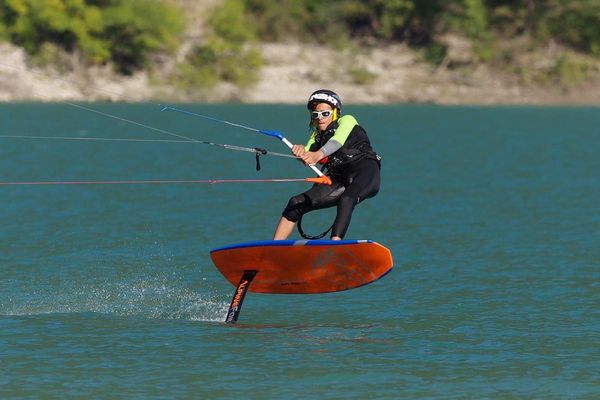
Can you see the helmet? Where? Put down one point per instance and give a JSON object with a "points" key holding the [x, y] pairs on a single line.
{"points": [[324, 96]]}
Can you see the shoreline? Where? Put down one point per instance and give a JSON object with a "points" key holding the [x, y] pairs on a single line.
{"points": [[291, 71]]}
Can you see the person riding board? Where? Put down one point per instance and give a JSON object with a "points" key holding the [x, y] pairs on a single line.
{"points": [[342, 146]]}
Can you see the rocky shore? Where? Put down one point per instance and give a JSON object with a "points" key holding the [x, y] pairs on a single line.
{"points": [[291, 71]]}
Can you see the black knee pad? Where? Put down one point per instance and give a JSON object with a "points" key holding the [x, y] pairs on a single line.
{"points": [[296, 207]]}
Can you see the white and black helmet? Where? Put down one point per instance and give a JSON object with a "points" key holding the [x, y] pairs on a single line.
{"points": [[324, 96]]}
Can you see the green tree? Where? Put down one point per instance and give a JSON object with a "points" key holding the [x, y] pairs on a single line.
{"points": [[123, 31], [281, 20], [575, 23], [386, 19], [70, 23], [228, 53], [134, 29]]}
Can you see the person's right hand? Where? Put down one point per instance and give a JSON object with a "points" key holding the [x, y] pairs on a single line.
{"points": [[298, 150]]}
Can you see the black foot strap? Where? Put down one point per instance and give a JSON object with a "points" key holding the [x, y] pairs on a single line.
{"points": [[309, 237]]}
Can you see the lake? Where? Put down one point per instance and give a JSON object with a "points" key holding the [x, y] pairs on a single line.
{"points": [[107, 291]]}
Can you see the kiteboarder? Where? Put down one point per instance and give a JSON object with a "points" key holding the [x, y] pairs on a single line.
{"points": [[342, 146]]}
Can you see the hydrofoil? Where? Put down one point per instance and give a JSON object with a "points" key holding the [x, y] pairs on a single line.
{"points": [[299, 267]]}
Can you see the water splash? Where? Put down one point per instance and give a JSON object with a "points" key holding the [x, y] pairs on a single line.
{"points": [[158, 296]]}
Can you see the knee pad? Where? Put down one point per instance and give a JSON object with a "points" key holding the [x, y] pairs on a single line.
{"points": [[296, 207]]}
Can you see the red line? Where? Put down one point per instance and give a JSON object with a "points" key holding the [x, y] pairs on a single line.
{"points": [[148, 182]]}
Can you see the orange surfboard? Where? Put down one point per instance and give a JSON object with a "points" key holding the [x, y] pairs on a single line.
{"points": [[303, 266]]}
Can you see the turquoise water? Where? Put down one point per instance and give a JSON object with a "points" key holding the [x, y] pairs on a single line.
{"points": [[492, 215]]}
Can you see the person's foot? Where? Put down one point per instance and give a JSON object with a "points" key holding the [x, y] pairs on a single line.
{"points": [[336, 238]]}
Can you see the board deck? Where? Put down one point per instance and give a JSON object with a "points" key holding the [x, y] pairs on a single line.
{"points": [[304, 266]]}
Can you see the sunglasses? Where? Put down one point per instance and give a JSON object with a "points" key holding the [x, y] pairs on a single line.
{"points": [[321, 114]]}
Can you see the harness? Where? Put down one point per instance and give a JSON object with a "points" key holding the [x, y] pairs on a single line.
{"points": [[356, 147]]}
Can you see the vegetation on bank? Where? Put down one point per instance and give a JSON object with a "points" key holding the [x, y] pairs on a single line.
{"points": [[227, 53], [498, 30], [127, 33]]}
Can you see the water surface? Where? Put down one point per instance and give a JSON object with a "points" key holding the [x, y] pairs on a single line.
{"points": [[108, 291]]}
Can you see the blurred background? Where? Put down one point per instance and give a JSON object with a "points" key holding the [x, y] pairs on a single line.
{"points": [[266, 51]]}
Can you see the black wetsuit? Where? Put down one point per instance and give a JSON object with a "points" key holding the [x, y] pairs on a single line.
{"points": [[354, 171]]}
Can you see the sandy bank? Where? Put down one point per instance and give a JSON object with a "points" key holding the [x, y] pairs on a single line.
{"points": [[291, 71]]}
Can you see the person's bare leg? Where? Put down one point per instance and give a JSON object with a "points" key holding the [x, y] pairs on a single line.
{"points": [[284, 229]]}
